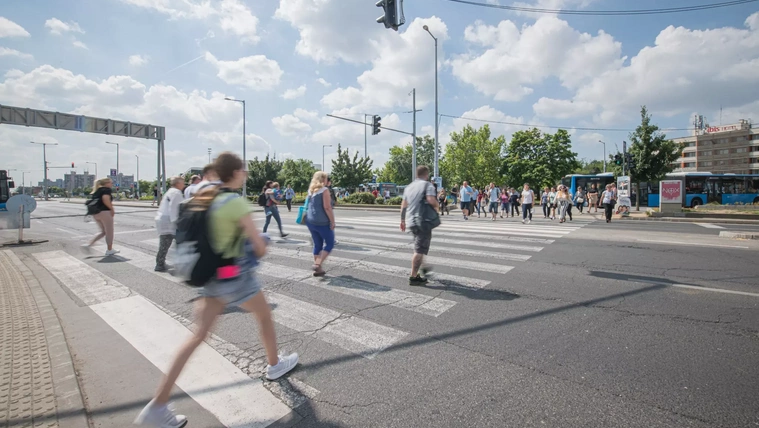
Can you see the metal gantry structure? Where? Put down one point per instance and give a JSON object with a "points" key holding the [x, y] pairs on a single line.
{"points": [[10, 115]]}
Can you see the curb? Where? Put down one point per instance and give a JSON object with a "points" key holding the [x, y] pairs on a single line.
{"points": [[692, 220], [70, 408], [738, 235]]}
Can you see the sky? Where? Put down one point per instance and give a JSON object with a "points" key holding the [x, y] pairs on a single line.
{"points": [[172, 62]]}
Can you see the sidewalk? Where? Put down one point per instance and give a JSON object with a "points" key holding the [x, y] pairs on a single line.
{"points": [[38, 384]]}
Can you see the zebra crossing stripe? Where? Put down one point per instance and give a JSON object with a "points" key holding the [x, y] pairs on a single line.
{"points": [[208, 378], [373, 292], [383, 268], [368, 338], [447, 234]]}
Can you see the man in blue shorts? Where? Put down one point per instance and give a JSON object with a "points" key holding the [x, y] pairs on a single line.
{"points": [[465, 194]]}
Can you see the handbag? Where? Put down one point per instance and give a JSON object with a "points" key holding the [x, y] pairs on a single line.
{"points": [[301, 218], [93, 205], [427, 218]]}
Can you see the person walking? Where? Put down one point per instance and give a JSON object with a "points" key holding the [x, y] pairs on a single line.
{"points": [[563, 201], [544, 202], [271, 190], [230, 226], [580, 199], [155, 196], [505, 201], [442, 201], [493, 196], [320, 220], [102, 199], [608, 200], [552, 202], [289, 195], [455, 194], [166, 221], [528, 198], [465, 195], [593, 198], [514, 196], [418, 194], [192, 188]]}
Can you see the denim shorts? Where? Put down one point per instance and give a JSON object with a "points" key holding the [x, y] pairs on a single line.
{"points": [[233, 292]]}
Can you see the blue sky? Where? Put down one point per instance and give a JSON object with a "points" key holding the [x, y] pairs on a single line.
{"points": [[171, 63]]}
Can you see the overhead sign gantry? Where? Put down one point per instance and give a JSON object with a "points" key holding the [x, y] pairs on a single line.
{"points": [[10, 115]]}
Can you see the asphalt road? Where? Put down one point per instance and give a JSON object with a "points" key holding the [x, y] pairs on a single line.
{"points": [[628, 324]]}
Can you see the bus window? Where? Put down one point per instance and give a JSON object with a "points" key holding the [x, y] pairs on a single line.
{"points": [[695, 185], [753, 184], [567, 181], [740, 185]]}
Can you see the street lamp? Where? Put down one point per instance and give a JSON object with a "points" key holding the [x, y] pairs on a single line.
{"points": [[96, 169], [324, 167], [44, 165], [244, 157], [437, 142], [604, 154], [117, 160], [209, 155]]}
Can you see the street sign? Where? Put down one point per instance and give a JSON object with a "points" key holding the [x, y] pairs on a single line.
{"points": [[113, 172], [13, 205]]}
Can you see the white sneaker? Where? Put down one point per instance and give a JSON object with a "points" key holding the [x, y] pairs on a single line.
{"points": [[285, 364], [522, 221], [111, 252], [529, 221], [160, 416]]}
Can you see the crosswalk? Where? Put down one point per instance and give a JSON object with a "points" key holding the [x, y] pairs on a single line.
{"points": [[368, 269]]}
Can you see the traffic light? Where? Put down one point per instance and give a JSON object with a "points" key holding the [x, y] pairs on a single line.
{"points": [[618, 159], [376, 124], [72, 164], [630, 161], [393, 16]]}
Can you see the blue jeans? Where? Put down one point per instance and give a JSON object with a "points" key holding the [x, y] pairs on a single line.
{"points": [[272, 211], [323, 236]]}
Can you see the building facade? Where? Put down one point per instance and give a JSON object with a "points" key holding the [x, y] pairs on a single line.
{"points": [[721, 149], [78, 181]]}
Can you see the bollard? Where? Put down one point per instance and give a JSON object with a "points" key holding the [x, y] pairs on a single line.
{"points": [[21, 224]]}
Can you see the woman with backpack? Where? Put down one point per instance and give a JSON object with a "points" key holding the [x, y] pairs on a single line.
{"points": [[101, 208], [320, 219], [271, 192], [230, 230]]}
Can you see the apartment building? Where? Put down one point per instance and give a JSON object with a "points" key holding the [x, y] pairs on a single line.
{"points": [[721, 149], [78, 181]]}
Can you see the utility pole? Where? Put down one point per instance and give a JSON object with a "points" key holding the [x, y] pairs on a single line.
{"points": [[624, 156], [413, 136], [44, 165], [437, 123], [365, 116], [604, 154], [118, 179], [137, 187]]}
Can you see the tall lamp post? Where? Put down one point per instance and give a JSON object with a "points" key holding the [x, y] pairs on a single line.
{"points": [[117, 161], [44, 165], [96, 169], [324, 167], [244, 157], [604, 154], [137, 186], [209, 155], [437, 124]]}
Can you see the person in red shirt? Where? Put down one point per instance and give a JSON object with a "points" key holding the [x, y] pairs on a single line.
{"points": [[375, 193]]}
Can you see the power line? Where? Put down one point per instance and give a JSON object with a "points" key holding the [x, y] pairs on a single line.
{"points": [[609, 12], [579, 128]]}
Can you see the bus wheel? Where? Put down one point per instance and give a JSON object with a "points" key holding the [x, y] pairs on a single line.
{"points": [[756, 200], [695, 202]]}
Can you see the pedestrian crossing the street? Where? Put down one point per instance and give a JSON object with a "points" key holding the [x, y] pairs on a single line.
{"points": [[368, 268]]}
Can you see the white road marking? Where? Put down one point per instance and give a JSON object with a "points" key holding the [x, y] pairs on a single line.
{"points": [[380, 268], [210, 379], [369, 340], [446, 234], [716, 290], [415, 302], [122, 232], [354, 334], [88, 284], [68, 231], [710, 226], [692, 244]]}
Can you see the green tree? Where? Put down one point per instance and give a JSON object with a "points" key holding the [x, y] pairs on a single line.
{"points": [[652, 153], [473, 156], [398, 169], [297, 173], [350, 173], [540, 159], [146, 187], [590, 167], [261, 170]]}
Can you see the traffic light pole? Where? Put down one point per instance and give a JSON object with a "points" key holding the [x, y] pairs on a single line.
{"points": [[624, 156], [364, 123], [413, 137]]}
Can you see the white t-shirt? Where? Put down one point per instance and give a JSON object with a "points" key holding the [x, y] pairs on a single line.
{"points": [[527, 196]]}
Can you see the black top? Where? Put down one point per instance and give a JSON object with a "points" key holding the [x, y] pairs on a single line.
{"points": [[99, 193], [592, 190]]}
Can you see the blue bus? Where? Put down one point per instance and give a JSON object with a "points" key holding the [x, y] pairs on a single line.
{"points": [[705, 187], [6, 184], [586, 180]]}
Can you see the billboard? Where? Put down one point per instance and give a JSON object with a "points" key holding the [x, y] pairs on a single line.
{"points": [[671, 192]]}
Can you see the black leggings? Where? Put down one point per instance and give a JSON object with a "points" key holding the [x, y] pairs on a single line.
{"points": [[546, 210], [608, 210]]}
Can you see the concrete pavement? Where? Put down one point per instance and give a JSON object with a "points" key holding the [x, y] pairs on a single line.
{"points": [[580, 324]]}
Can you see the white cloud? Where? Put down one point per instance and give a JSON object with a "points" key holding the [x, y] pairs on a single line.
{"points": [[517, 60], [562, 109], [333, 30], [80, 44], [138, 60], [13, 52], [58, 27], [289, 125], [306, 114], [9, 28], [255, 72], [685, 70], [232, 16], [291, 94], [404, 61], [323, 82]]}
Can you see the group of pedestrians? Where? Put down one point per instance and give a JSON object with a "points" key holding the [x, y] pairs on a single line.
{"points": [[492, 200]]}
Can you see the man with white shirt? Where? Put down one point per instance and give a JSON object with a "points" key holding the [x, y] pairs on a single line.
{"points": [[209, 178], [528, 198], [188, 192], [166, 221]]}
